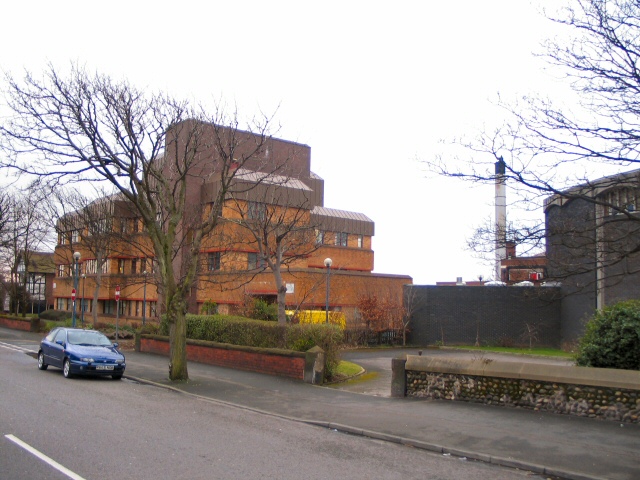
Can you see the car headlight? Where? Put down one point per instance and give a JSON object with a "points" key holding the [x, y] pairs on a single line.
{"points": [[87, 359], [119, 361]]}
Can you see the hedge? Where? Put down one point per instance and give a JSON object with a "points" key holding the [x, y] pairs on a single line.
{"points": [[263, 334]]}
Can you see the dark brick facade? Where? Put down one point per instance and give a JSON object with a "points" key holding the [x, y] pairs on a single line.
{"points": [[489, 315]]}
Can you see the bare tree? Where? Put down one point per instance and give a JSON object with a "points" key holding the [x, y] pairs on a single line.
{"points": [[277, 224], [26, 231], [551, 150], [154, 150]]}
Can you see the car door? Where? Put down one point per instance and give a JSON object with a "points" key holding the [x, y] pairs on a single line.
{"points": [[57, 348]]}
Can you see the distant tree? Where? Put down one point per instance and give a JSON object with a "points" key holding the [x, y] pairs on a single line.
{"points": [[381, 312], [26, 230], [152, 149]]}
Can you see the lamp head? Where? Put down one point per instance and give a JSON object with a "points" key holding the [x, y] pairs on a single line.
{"points": [[328, 262], [76, 256]]}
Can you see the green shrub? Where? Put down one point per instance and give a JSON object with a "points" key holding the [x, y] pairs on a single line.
{"points": [[612, 338], [264, 311], [209, 308], [55, 315]]}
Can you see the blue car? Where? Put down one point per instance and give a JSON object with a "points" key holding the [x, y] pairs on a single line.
{"points": [[80, 352]]}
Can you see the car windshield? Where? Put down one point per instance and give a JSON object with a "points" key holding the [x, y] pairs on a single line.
{"points": [[88, 338]]}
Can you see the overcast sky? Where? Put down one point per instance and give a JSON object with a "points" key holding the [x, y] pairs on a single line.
{"points": [[370, 86]]}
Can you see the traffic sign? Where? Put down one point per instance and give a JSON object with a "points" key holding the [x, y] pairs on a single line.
{"points": [[73, 294], [117, 293]]}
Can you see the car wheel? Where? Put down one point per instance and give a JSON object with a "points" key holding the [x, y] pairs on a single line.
{"points": [[41, 364], [66, 368], [117, 377]]}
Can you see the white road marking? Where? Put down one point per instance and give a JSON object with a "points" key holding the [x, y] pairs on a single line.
{"points": [[44, 458], [16, 348]]}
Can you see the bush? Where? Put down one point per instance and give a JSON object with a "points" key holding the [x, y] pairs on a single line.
{"points": [[55, 315], [612, 338]]}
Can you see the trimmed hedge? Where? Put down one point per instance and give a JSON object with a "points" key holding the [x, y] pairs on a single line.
{"points": [[55, 315], [612, 338], [264, 334]]}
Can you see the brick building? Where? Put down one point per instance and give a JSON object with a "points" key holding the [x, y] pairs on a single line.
{"points": [[276, 189]]}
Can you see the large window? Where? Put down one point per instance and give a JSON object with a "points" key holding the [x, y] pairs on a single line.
{"points": [[257, 211], [213, 261], [319, 237], [360, 241], [255, 261], [341, 239]]}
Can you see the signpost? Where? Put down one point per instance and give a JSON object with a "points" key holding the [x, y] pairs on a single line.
{"points": [[73, 303], [117, 308]]}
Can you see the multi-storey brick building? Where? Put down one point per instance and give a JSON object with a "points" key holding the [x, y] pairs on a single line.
{"points": [[276, 190]]}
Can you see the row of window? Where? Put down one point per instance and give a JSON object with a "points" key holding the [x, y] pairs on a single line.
{"points": [[130, 308], [125, 225], [340, 239], [132, 266]]}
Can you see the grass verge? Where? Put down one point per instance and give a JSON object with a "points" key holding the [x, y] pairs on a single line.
{"points": [[548, 352]]}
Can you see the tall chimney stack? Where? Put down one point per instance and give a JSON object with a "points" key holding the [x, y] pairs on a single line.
{"points": [[501, 215]]}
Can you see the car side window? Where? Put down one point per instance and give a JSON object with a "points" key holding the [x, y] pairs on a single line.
{"points": [[60, 336], [52, 334]]}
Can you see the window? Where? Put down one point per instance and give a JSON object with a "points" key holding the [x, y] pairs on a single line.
{"points": [[341, 239], [253, 261], [134, 265], [136, 225], [213, 261], [360, 241], [75, 236], [622, 199], [121, 265], [109, 307], [61, 270], [143, 265], [319, 237], [257, 211], [123, 225]]}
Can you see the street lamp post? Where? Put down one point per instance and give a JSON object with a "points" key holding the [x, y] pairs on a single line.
{"points": [[82, 303], [144, 299], [327, 263], [76, 259]]}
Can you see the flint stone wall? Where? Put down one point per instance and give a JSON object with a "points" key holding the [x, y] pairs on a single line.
{"points": [[580, 391]]}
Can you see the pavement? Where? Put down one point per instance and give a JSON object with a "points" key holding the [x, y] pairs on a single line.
{"points": [[547, 444]]}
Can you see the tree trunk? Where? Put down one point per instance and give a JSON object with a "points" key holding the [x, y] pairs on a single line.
{"points": [[176, 315]]}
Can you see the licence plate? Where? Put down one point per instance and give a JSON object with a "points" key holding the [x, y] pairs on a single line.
{"points": [[104, 367]]}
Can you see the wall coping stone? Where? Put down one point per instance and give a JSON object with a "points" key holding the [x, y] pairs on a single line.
{"points": [[590, 376]]}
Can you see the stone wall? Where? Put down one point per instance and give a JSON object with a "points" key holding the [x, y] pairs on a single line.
{"points": [[580, 391]]}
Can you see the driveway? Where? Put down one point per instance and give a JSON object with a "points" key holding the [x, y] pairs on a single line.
{"points": [[376, 380]]}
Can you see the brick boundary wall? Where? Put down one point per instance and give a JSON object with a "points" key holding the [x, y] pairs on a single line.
{"points": [[306, 366], [580, 391], [26, 325]]}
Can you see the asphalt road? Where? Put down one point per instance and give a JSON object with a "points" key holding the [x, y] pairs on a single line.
{"points": [[101, 428]]}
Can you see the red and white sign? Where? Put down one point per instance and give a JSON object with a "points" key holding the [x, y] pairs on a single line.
{"points": [[117, 293], [73, 294]]}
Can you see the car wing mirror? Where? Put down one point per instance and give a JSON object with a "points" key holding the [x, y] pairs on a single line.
{"points": [[60, 342], [116, 345]]}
